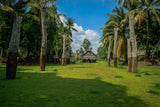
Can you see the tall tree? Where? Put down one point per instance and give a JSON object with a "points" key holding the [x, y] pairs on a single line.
{"points": [[86, 45], [64, 50], [67, 34], [116, 20], [115, 47], [70, 25], [147, 8], [129, 55], [131, 5], [16, 7], [42, 5], [109, 50], [13, 48], [133, 42]]}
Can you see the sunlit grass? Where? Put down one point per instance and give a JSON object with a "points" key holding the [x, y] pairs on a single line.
{"points": [[81, 84]]}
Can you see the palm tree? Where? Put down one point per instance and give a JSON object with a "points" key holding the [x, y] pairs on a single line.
{"points": [[131, 5], [115, 47], [67, 33], [54, 32], [109, 49], [129, 55], [147, 8], [15, 7], [115, 21], [64, 35], [43, 6]]}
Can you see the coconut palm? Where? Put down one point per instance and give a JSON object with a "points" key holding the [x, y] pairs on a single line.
{"points": [[148, 8], [68, 34], [15, 7], [54, 32], [109, 50], [43, 6], [115, 22], [131, 5]]}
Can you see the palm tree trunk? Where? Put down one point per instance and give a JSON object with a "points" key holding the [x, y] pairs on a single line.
{"points": [[44, 41], [129, 55], [125, 42], [148, 35], [13, 48], [68, 56], [109, 50], [57, 58], [134, 55], [64, 51], [133, 42], [115, 47]]}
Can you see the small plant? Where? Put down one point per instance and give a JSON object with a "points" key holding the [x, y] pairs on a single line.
{"points": [[157, 86], [153, 92], [55, 70], [118, 77], [138, 75], [146, 73]]}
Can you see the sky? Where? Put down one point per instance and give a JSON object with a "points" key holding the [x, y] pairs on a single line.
{"points": [[90, 16]]}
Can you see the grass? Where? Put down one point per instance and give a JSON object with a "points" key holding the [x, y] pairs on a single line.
{"points": [[81, 85]]}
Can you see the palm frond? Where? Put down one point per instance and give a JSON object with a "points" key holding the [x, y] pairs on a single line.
{"points": [[155, 13], [7, 8]]}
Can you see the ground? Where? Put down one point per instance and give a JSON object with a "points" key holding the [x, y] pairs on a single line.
{"points": [[81, 84]]}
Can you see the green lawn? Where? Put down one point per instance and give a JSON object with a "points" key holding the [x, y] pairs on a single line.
{"points": [[81, 85]]}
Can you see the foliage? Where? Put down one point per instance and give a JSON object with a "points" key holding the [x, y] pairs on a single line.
{"points": [[101, 53], [146, 23], [86, 45]]}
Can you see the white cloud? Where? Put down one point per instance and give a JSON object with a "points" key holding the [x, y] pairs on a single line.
{"points": [[89, 34], [81, 34], [63, 19]]}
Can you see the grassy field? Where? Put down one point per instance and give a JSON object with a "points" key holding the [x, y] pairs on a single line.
{"points": [[81, 85]]}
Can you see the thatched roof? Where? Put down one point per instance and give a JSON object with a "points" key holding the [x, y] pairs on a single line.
{"points": [[89, 55]]}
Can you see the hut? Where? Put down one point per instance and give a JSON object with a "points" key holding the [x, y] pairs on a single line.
{"points": [[89, 56]]}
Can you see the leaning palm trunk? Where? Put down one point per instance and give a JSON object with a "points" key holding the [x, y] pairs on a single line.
{"points": [[44, 41], [13, 48], [64, 51], [115, 47], [133, 42], [129, 56], [109, 50]]}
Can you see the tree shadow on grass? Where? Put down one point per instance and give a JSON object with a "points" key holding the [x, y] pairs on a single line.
{"points": [[49, 90]]}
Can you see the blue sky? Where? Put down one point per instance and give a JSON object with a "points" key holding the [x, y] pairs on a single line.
{"points": [[89, 17]]}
